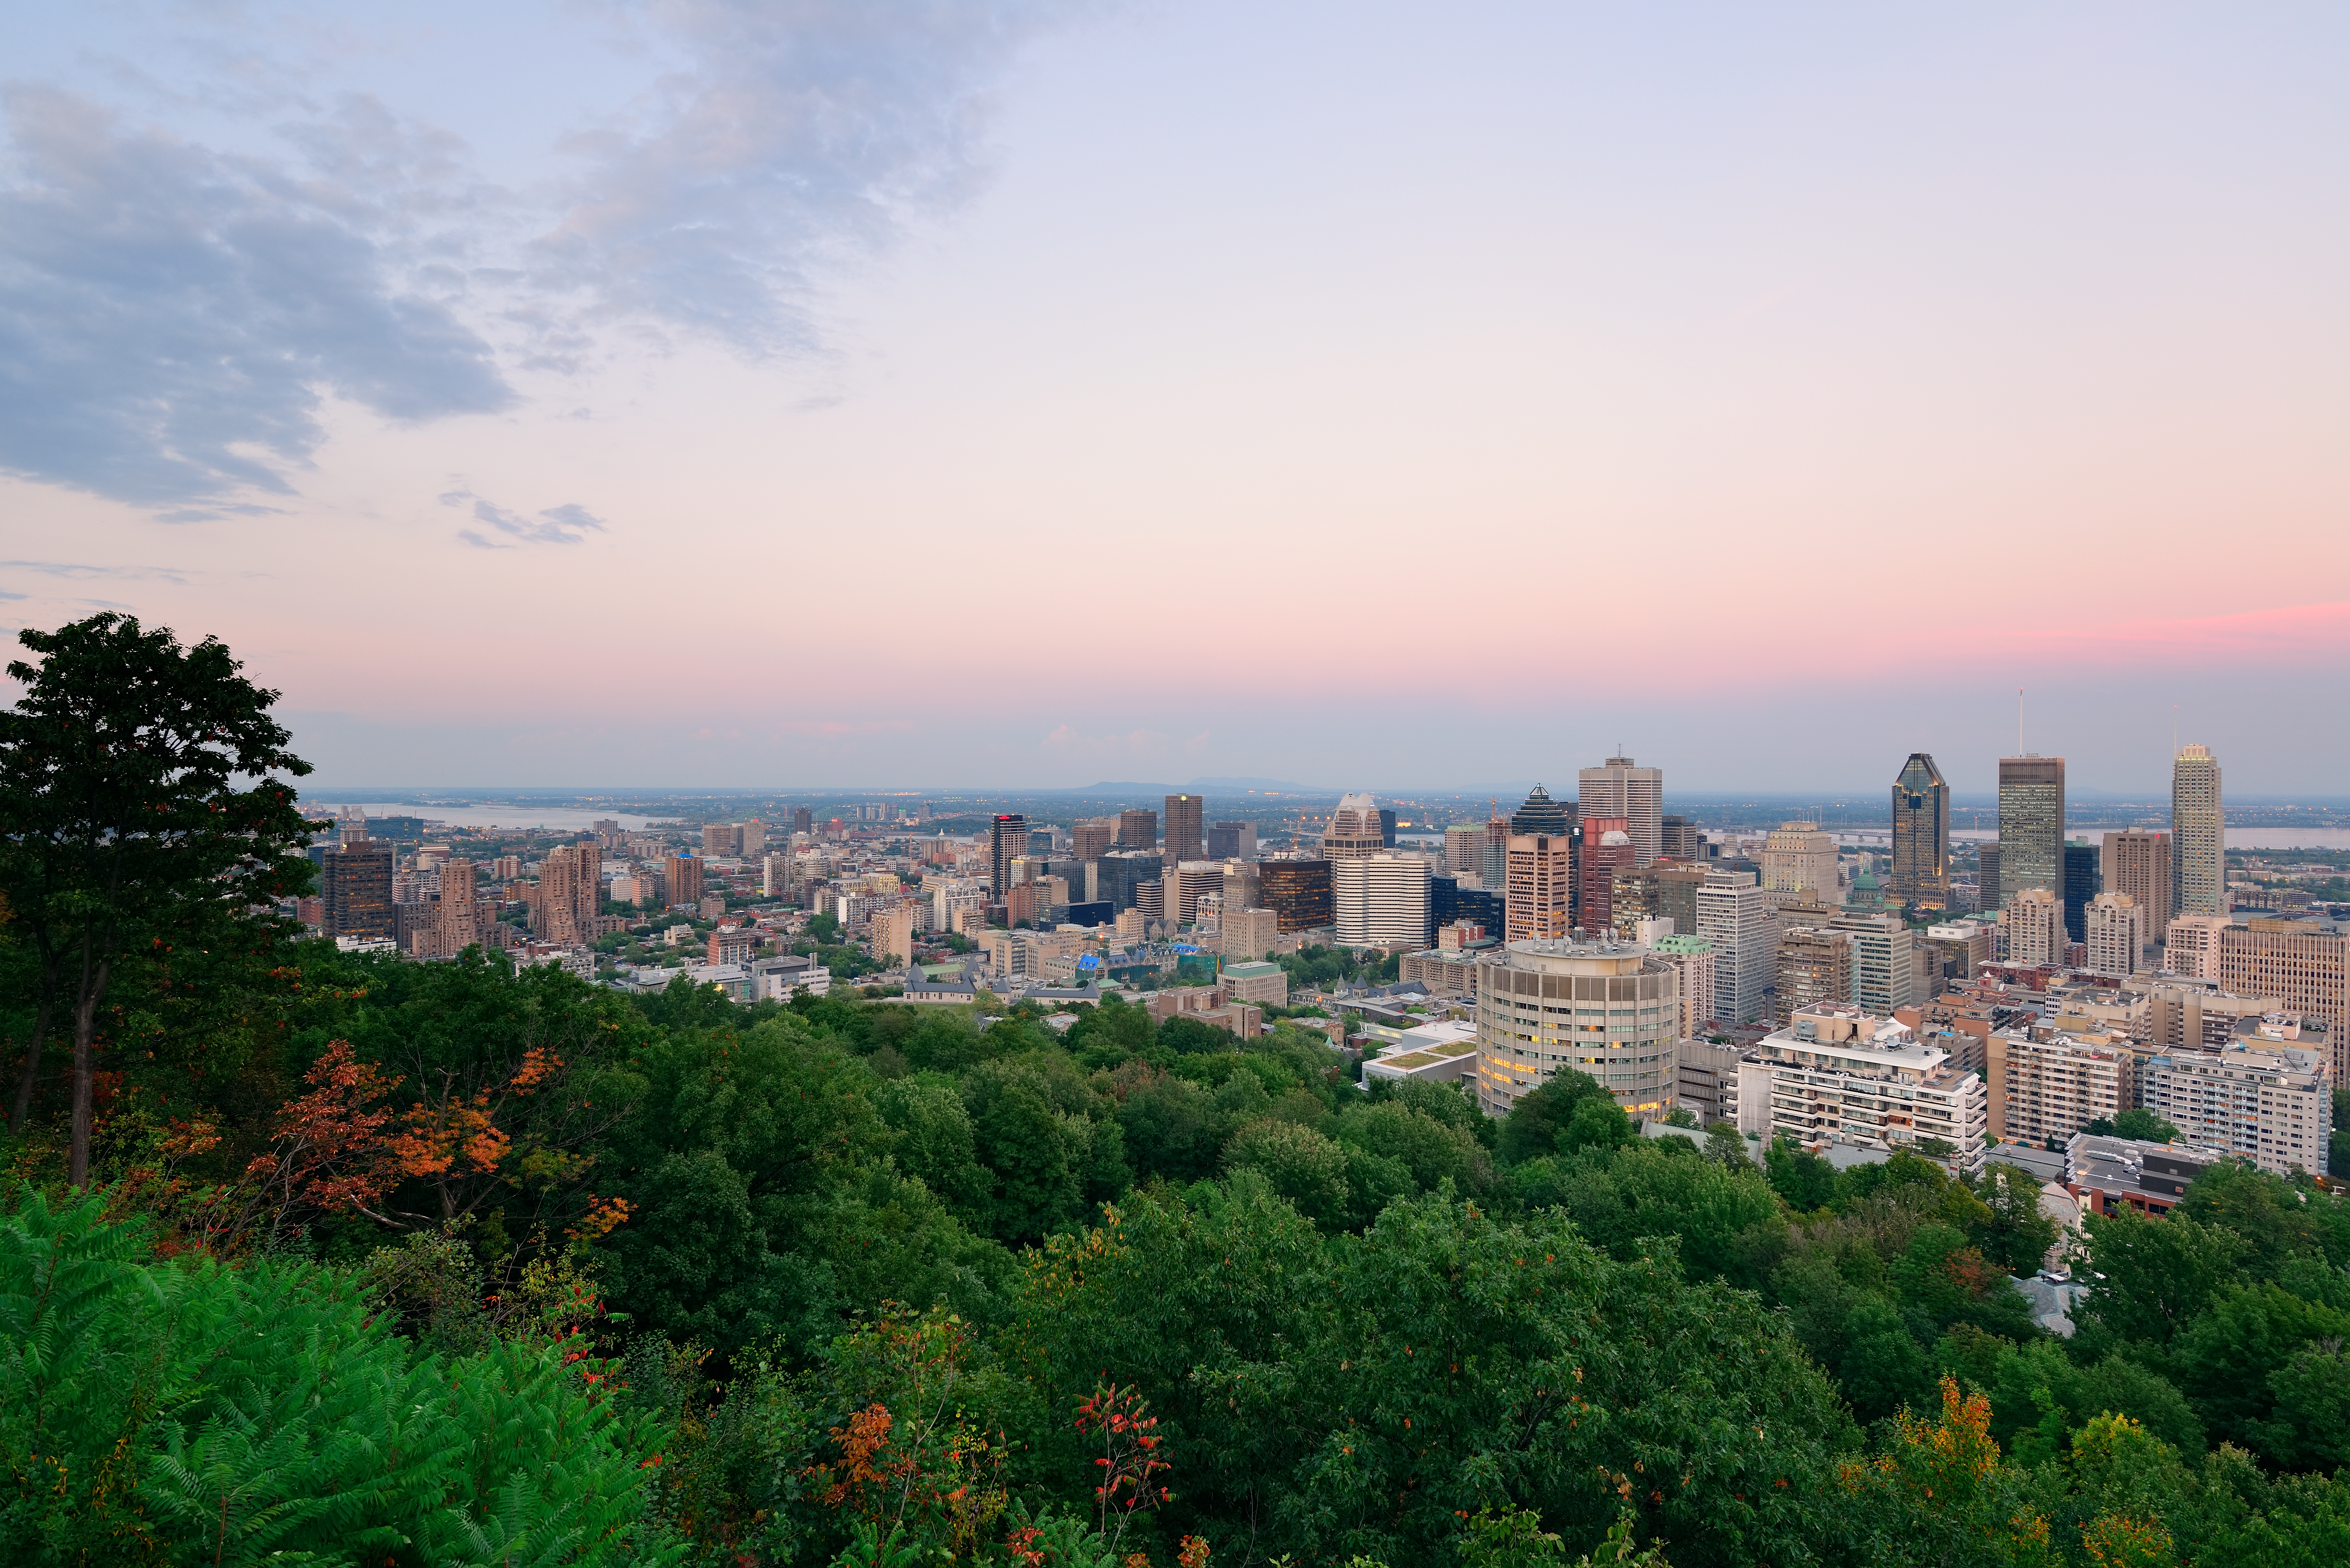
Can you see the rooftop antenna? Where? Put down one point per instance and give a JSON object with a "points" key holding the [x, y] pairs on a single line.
{"points": [[2019, 720]]}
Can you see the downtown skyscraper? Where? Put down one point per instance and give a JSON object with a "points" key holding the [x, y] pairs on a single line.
{"points": [[2031, 825], [1618, 789], [1921, 835], [2199, 839]]}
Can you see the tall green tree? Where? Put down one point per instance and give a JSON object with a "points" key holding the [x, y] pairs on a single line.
{"points": [[140, 809]]}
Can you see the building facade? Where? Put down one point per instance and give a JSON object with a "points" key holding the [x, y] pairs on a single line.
{"points": [[355, 892], [1884, 970], [2304, 964], [1921, 877], [2115, 934], [1738, 919], [1538, 892], [2198, 849], [1007, 839], [1380, 901], [1617, 788], [1604, 1009], [2034, 925], [2031, 824], [1839, 1076], [2046, 1083], [2190, 945], [1797, 857], [1187, 833], [2080, 887], [2263, 1102], [1354, 831], [570, 895], [1813, 968], [1692, 958], [1138, 830], [2138, 863], [1298, 893], [1608, 848]]}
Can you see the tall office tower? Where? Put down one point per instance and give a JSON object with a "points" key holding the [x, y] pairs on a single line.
{"points": [[1813, 967], [2080, 887], [1883, 968], [1138, 830], [717, 840], [1091, 838], [1298, 892], [1987, 899], [1797, 857], [1496, 870], [570, 894], [1354, 833], [1232, 841], [2115, 934], [2138, 863], [1007, 838], [1380, 900], [803, 820], [1608, 848], [1538, 887], [1187, 838], [1617, 788], [1921, 835], [1736, 916], [1119, 874], [2198, 850], [1192, 879], [2031, 824], [1464, 849], [2034, 922], [1387, 827], [2301, 962], [355, 896], [1544, 815], [1529, 1027], [1243, 884], [1680, 839]]}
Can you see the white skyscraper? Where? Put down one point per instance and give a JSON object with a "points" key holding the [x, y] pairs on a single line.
{"points": [[2199, 840], [1379, 899], [1739, 919], [1617, 788]]}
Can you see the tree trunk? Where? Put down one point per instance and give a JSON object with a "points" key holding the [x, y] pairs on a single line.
{"points": [[84, 1075], [23, 1110]]}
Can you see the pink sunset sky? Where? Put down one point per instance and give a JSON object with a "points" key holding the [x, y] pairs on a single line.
{"points": [[1367, 395]]}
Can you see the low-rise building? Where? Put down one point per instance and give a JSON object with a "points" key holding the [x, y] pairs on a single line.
{"points": [[1443, 1053], [1265, 984], [2106, 1174]]}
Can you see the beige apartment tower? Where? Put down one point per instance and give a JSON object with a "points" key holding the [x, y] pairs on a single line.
{"points": [[2138, 863], [1617, 788], [1539, 900], [1798, 858], [2198, 849]]}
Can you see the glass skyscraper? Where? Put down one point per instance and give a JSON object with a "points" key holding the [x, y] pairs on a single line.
{"points": [[1921, 834]]}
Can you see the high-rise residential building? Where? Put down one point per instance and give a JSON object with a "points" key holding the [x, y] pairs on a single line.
{"points": [[803, 820], [891, 933], [2264, 1099], [1354, 831], [775, 876], [2302, 962], [1680, 839], [1602, 1009], [1379, 901], [461, 913], [2045, 1083], [2035, 923], [1007, 838], [1464, 849], [1836, 1075], [1692, 956], [1921, 835], [2115, 934], [1987, 899], [1618, 789], [356, 888], [1737, 917], [1608, 848], [570, 895], [2138, 863], [2198, 849], [1883, 968], [1091, 840], [1797, 857], [1232, 841], [2190, 945], [1138, 830], [1537, 887], [1298, 892], [717, 840], [2081, 885], [751, 839], [2031, 824], [1812, 967], [1186, 834], [681, 879], [1665, 891]]}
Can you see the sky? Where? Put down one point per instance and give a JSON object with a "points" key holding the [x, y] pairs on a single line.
{"points": [[845, 392]]}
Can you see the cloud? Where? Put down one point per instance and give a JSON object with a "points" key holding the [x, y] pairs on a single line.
{"points": [[566, 524], [73, 571], [803, 137], [170, 319]]}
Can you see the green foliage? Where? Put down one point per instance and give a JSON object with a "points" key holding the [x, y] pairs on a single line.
{"points": [[2144, 1126]]}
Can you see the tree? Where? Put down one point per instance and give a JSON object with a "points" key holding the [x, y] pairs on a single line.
{"points": [[2018, 1236], [125, 829], [2143, 1125]]}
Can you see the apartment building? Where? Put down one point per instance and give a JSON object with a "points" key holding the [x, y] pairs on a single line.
{"points": [[2046, 1083], [1837, 1076], [2264, 1099]]}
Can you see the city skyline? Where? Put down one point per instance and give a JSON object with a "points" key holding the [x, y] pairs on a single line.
{"points": [[832, 328]]}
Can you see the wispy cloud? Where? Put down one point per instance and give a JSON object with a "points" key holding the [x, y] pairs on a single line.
{"points": [[566, 524], [75, 571]]}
